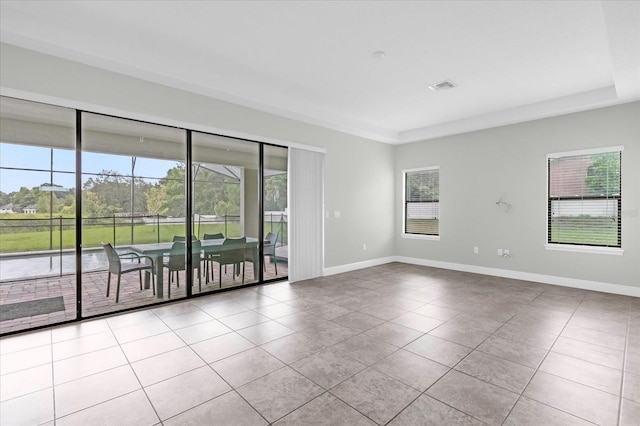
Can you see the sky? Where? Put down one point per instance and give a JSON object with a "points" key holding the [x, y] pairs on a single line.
{"points": [[32, 157]]}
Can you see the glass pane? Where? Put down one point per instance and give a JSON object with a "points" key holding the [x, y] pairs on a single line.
{"points": [[584, 192], [37, 215], [276, 212], [133, 199], [423, 185], [422, 218], [226, 211], [593, 175], [590, 222], [422, 206]]}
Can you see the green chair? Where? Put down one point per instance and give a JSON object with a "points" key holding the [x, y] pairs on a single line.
{"points": [[232, 253], [269, 249], [209, 258], [182, 238], [119, 268], [177, 262]]}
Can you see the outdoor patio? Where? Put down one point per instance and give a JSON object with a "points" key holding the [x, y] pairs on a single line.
{"points": [[50, 300]]}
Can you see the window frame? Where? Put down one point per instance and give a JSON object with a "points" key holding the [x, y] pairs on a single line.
{"points": [[79, 115], [404, 234], [582, 247]]}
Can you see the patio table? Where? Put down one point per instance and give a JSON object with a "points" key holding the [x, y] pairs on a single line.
{"points": [[158, 250]]}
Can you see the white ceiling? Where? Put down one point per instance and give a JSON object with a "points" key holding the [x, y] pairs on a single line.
{"points": [[513, 61]]}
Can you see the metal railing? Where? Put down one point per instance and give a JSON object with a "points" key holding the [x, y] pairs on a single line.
{"points": [[281, 223], [57, 234]]}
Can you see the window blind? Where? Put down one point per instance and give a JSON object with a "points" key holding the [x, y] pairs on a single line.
{"points": [[306, 218], [584, 199], [422, 202]]}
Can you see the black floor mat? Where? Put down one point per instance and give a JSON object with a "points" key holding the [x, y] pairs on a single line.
{"points": [[31, 308]]}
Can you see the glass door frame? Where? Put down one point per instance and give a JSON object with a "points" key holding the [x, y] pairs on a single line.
{"points": [[189, 219]]}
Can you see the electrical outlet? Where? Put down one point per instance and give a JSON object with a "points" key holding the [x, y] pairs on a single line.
{"points": [[476, 250], [506, 253], [364, 246], [499, 252]]}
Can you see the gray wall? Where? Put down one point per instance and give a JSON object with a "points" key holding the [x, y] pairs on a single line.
{"points": [[363, 178], [359, 172], [477, 168]]}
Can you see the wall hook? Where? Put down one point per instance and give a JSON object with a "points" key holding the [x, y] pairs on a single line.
{"points": [[503, 204]]}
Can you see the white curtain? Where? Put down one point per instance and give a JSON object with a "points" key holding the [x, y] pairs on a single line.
{"points": [[306, 207]]}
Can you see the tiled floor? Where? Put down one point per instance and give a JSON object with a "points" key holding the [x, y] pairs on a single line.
{"points": [[395, 344], [94, 287]]}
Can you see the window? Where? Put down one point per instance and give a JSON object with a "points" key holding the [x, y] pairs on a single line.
{"points": [[422, 202], [584, 198], [71, 180]]}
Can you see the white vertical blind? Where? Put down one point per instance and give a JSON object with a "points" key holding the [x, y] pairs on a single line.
{"points": [[306, 206]]}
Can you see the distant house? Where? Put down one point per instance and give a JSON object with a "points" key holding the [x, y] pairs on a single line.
{"points": [[567, 177], [7, 208], [30, 210], [568, 184]]}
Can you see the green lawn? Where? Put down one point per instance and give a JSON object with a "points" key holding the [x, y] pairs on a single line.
{"points": [[423, 226], [92, 236], [584, 230], [596, 231]]}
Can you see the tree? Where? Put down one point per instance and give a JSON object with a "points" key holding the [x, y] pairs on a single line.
{"points": [[208, 189], [114, 190], [226, 208], [70, 199], [45, 200], [174, 184], [275, 193], [110, 190], [68, 210], [423, 186], [157, 200], [92, 205], [603, 174], [229, 203], [231, 194], [24, 198], [4, 198]]}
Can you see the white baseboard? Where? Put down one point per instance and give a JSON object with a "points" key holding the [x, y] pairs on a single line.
{"points": [[358, 265], [505, 273]]}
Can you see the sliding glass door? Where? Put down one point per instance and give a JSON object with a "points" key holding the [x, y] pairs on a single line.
{"points": [[100, 214], [37, 215], [276, 212], [226, 209], [133, 199]]}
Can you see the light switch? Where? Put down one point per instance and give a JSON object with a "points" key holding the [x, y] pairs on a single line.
{"points": [[336, 214]]}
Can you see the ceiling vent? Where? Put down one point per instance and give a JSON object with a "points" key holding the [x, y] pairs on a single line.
{"points": [[443, 85]]}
